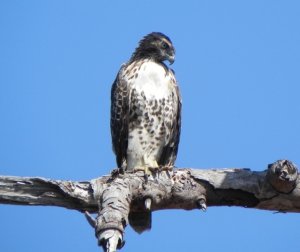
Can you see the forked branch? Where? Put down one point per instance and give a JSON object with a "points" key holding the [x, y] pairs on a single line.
{"points": [[120, 199]]}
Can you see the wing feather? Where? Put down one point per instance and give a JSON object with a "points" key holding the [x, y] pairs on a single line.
{"points": [[169, 153], [119, 118]]}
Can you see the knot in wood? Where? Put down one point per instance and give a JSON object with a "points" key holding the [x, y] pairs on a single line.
{"points": [[282, 175], [182, 181], [186, 189], [155, 190]]}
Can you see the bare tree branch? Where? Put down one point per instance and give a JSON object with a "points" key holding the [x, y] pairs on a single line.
{"points": [[120, 199]]}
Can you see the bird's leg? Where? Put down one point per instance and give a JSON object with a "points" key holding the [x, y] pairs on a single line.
{"points": [[147, 173], [149, 167], [144, 169], [153, 166], [166, 168]]}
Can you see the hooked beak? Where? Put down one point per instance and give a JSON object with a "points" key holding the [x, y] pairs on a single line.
{"points": [[171, 59]]}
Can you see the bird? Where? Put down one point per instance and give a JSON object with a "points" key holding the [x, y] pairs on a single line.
{"points": [[146, 108]]}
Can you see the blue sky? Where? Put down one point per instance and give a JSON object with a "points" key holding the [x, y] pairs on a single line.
{"points": [[237, 64]]}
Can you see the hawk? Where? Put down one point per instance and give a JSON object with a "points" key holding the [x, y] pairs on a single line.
{"points": [[146, 107]]}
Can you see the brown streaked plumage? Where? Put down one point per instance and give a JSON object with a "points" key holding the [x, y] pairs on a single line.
{"points": [[146, 107]]}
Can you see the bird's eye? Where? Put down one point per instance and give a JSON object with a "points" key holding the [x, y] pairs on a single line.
{"points": [[165, 45]]}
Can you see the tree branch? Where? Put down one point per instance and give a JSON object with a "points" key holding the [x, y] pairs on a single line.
{"points": [[120, 199]]}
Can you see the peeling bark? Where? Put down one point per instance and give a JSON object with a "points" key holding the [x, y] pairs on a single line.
{"points": [[120, 199]]}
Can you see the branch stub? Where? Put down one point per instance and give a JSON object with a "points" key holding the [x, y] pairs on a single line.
{"points": [[282, 175]]}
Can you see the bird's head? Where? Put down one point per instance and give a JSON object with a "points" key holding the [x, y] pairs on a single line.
{"points": [[155, 46]]}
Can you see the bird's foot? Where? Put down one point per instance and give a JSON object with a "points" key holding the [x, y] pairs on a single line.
{"points": [[166, 168], [144, 169], [148, 170], [153, 169]]}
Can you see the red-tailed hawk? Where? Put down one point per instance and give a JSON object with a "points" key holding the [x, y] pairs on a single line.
{"points": [[146, 107]]}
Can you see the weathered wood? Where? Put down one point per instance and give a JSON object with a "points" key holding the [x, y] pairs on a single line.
{"points": [[47, 192], [120, 199], [282, 175]]}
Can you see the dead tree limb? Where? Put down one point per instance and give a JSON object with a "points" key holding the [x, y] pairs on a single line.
{"points": [[120, 199]]}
